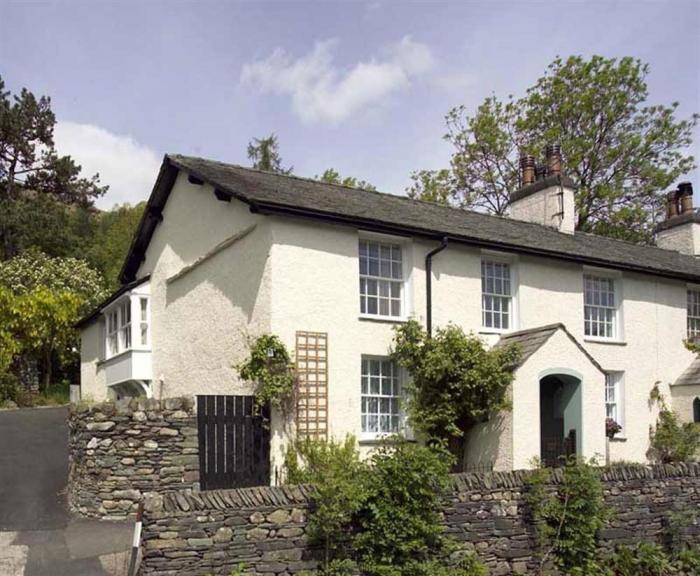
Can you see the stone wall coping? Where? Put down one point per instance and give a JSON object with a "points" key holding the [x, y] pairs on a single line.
{"points": [[518, 478], [129, 405], [262, 496]]}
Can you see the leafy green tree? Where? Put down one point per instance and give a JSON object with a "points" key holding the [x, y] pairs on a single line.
{"points": [[332, 176], [45, 328], [32, 270], [265, 155], [621, 152], [30, 166], [41, 299], [111, 237], [456, 382]]}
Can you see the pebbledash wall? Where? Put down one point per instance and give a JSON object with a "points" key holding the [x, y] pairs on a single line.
{"points": [[265, 528], [121, 450]]}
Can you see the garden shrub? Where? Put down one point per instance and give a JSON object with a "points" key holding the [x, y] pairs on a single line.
{"points": [[568, 520], [671, 439], [399, 521], [9, 388], [337, 474]]}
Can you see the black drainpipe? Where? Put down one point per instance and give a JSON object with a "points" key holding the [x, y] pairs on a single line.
{"points": [[429, 284]]}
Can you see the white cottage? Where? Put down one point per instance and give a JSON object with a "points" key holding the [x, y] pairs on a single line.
{"points": [[225, 253]]}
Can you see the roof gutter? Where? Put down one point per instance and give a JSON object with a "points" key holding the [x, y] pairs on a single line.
{"points": [[269, 208], [429, 284]]}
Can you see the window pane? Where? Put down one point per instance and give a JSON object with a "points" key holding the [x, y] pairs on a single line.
{"points": [[496, 294], [380, 275]]}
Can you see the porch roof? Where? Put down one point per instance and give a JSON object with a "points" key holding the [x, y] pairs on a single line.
{"points": [[690, 376], [531, 340]]}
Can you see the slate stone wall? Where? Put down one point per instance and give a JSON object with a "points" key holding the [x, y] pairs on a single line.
{"points": [[121, 450], [201, 533]]}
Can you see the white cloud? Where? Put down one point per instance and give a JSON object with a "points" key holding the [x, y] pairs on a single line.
{"points": [[322, 92], [129, 168]]}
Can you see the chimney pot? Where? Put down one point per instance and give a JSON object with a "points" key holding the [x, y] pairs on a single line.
{"points": [[527, 169], [685, 194], [540, 172], [553, 155], [671, 205]]}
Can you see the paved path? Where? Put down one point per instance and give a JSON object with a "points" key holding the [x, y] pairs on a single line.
{"points": [[37, 535]]}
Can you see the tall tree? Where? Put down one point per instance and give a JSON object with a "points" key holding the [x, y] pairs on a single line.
{"points": [[265, 155], [622, 152], [30, 165], [113, 232], [332, 176]]}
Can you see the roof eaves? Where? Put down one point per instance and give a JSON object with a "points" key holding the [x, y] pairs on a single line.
{"points": [[111, 298]]}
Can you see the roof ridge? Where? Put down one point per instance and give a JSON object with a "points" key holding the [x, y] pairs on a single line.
{"points": [[418, 201], [543, 328]]}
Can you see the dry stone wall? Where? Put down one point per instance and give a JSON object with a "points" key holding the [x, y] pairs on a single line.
{"points": [[121, 450], [201, 533]]}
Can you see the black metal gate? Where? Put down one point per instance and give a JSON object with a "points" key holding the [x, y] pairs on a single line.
{"points": [[234, 442]]}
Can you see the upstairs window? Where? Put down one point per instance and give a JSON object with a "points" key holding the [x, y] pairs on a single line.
{"points": [[381, 279], [600, 306], [693, 315], [381, 397], [496, 295]]}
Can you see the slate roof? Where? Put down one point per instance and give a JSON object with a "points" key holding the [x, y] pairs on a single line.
{"points": [[271, 193], [531, 340], [691, 375]]}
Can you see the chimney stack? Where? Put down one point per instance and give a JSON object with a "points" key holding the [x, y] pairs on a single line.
{"points": [[553, 155], [527, 169], [681, 229], [546, 196], [671, 205], [685, 194]]}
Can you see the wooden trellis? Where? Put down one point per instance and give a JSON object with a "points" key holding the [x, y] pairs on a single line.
{"points": [[312, 382]]}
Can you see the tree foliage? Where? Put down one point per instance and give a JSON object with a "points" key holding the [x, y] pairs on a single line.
{"points": [[672, 440], [111, 237], [30, 166], [269, 366], [332, 176], [265, 155], [33, 269], [622, 152], [456, 381], [336, 472]]}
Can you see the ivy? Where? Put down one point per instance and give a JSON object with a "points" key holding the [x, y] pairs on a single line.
{"points": [[671, 440], [270, 367]]}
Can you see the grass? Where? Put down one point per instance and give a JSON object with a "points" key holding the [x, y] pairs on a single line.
{"points": [[57, 395]]}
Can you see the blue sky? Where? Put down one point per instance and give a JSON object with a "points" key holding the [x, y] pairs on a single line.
{"points": [[359, 86]]}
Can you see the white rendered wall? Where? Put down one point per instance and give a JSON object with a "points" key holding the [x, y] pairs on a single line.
{"points": [[684, 238], [546, 207]]}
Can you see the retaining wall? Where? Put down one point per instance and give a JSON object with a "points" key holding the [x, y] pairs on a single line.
{"points": [[121, 450], [265, 528]]}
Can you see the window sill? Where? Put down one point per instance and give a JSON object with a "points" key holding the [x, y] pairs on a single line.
{"points": [[619, 439], [121, 355], [381, 439], [610, 341], [496, 331], [383, 319]]}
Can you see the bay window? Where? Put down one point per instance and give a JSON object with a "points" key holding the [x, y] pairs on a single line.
{"points": [[127, 325]]}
